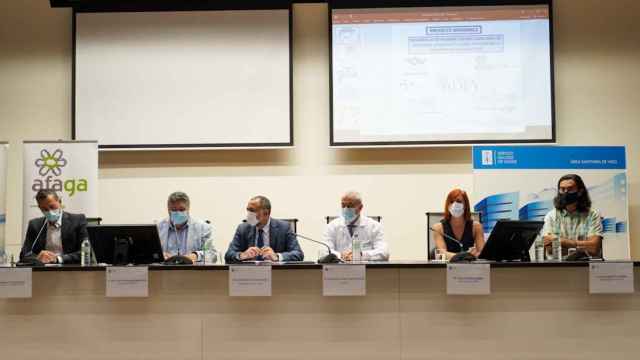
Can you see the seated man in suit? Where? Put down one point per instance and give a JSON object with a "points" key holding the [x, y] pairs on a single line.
{"points": [[56, 236], [353, 224], [262, 237], [181, 234]]}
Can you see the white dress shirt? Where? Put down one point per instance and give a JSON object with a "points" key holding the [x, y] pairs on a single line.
{"points": [[369, 232], [54, 237]]}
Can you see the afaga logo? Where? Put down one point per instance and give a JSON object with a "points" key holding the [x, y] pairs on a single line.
{"points": [[50, 168]]}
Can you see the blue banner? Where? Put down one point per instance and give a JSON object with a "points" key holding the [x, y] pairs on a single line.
{"points": [[549, 157]]}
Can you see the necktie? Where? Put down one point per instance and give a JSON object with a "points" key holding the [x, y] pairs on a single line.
{"points": [[350, 227], [260, 243]]}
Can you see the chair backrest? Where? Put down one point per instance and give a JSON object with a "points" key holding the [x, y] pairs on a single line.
{"points": [[434, 218], [293, 223], [331, 218], [94, 220]]}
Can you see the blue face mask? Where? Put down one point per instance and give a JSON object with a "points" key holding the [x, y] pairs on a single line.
{"points": [[52, 215], [178, 217], [349, 214]]}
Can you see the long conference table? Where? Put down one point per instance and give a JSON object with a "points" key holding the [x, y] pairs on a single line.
{"points": [[534, 311]]}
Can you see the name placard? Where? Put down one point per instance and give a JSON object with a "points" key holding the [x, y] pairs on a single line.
{"points": [[127, 281], [468, 279], [611, 278], [250, 280], [15, 282], [344, 280]]}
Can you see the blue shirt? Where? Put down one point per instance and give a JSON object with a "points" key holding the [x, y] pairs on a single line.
{"points": [[193, 237]]}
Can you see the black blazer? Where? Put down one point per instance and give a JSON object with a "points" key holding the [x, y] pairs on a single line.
{"points": [[74, 230], [281, 239]]}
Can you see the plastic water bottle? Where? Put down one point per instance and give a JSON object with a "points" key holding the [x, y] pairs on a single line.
{"points": [[539, 247], [209, 255], [556, 249], [356, 248], [85, 253]]}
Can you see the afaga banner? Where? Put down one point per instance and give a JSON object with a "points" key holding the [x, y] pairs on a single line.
{"points": [[68, 167], [520, 182], [4, 148]]}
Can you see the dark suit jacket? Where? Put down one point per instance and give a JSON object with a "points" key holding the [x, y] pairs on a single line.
{"points": [[74, 230], [281, 239]]}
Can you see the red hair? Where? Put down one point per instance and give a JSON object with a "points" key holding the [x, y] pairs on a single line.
{"points": [[453, 195]]}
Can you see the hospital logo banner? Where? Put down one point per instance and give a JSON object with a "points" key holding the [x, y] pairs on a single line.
{"points": [[4, 148], [520, 182], [68, 167]]}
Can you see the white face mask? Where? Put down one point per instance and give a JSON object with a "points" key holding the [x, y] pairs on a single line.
{"points": [[456, 209], [252, 218]]}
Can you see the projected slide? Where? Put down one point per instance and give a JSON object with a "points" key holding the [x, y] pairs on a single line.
{"points": [[183, 79], [441, 75]]}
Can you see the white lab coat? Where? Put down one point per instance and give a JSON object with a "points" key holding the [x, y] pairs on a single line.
{"points": [[369, 231]]}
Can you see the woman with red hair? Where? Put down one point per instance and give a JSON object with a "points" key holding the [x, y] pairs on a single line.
{"points": [[457, 232]]}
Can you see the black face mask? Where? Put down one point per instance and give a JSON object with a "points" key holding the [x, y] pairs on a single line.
{"points": [[564, 199]]}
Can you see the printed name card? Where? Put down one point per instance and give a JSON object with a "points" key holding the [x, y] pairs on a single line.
{"points": [[127, 281], [468, 279], [15, 282], [611, 278], [344, 280], [250, 280]]}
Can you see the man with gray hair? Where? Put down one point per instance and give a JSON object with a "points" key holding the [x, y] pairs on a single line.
{"points": [[353, 225], [261, 237], [183, 235]]}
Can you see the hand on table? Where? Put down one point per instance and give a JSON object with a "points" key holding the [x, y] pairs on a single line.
{"points": [[47, 257], [250, 253], [268, 254], [347, 255]]}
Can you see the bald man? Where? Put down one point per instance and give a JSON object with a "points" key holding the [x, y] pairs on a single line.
{"points": [[353, 224]]}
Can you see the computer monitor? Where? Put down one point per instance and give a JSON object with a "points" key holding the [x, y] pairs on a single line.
{"points": [[510, 240], [142, 241]]}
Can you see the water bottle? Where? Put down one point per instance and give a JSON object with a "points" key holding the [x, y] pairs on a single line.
{"points": [[356, 247], [556, 249], [539, 247], [209, 254], [85, 253]]}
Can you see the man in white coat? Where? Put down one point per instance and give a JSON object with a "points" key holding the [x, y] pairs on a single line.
{"points": [[354, 225]]}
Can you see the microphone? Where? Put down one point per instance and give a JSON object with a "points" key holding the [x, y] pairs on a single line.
{"points": [[29, 258], [462, 255], [178, 260], [330, 258], [448, 237]]}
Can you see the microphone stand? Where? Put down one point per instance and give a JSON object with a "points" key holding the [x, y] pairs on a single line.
{"points": [[330, 258]]}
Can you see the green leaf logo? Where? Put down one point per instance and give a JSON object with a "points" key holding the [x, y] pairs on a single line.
{"points": [[51, 162]]}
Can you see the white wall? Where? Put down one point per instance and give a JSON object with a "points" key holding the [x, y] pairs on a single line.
{"points": [[597, 82]]}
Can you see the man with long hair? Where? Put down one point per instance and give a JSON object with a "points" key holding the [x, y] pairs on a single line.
{"points": [[573, 220]]}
